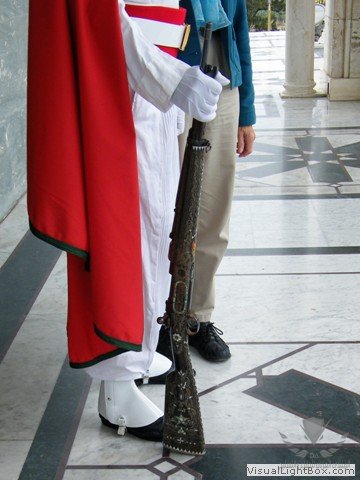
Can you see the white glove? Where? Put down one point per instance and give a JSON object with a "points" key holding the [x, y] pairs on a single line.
{"points": [[197, 94], [180, 121]]}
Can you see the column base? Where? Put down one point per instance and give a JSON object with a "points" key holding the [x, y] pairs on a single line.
{"points": [[313, 94], [299, 91]]}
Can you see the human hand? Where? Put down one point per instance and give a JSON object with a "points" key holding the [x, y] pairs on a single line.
{"points": [[197, 94], [246, 138]]}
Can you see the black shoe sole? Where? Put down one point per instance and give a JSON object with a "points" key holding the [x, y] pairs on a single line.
{"points": [[152, 432], [158, 380], [214, 360]]}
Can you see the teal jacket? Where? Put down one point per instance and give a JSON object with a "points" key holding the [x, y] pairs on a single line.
{"points": [[237, 47]]}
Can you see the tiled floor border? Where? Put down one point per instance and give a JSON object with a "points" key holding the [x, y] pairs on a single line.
{"points": [[21, 279]]}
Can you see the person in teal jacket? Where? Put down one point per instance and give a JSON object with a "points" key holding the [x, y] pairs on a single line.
{"points": [[235, 40], [230, 132]]}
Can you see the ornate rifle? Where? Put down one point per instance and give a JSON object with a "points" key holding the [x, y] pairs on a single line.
{"points": [[183, 430]]}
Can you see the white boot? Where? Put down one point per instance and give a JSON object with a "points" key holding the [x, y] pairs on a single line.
{"points": [[158, 367], [121, 404]]}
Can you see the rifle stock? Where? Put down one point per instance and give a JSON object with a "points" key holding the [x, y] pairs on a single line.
{"points": [[183, 430]]}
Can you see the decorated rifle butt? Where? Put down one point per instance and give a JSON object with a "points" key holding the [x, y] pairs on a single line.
{"points": [[183, 430]]}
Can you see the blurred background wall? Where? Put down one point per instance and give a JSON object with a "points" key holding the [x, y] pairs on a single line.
{"points": [[13, 64]]}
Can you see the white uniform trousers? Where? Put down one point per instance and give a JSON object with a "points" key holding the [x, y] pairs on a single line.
{"points": [[158, 163]]}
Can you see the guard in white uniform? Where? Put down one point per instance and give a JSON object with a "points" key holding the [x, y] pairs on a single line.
{"points": [[158, 83]]}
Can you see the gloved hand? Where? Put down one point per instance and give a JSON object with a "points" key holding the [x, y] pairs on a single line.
{"points": [[197, 94], [180, 121]]}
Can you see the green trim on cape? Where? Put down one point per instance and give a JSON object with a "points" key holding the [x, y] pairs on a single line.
{"points": [[123, 346], [126, 346], [98, 359], [105, 356], [58, 244]]}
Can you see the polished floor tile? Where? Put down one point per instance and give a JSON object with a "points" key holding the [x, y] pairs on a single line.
{"points": [[28, 374], [12, 229], [331, 362], [12, 457], [288, 308], [277, 265], [105, 474]]}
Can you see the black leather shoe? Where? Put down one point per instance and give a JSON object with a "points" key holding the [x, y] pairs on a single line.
{"points": [[164, 345], [153, 432], [209, 344]]}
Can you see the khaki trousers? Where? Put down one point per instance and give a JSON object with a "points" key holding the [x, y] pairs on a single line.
{"points": [[216, 199]]}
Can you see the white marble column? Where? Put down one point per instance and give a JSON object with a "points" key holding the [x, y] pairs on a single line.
{"points": [[299, 53], [342, 49]]}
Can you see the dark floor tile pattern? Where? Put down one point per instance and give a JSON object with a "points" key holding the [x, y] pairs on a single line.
{"points": [[51, 446], [314, 144], [21, 278], [308, 397], [230, 463], [323, 172], [352, 149], [300, 196], [324, 163], [236, 252]]}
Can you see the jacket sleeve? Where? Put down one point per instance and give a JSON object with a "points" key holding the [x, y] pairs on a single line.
{"points": [[151, 73], [246, 89]]}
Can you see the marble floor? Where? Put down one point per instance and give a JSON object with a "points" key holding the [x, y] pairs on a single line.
{"points": [[287, 301]]}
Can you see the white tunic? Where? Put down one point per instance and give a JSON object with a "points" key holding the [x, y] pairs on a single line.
{"points": [[153, 77]]}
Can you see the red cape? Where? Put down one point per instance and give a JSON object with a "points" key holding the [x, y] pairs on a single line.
{"points": [[82, 170]]}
